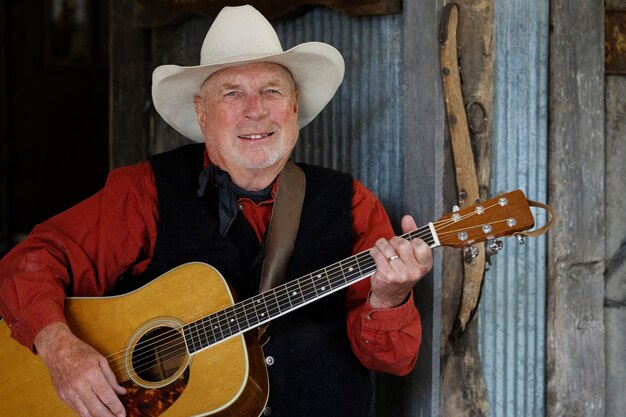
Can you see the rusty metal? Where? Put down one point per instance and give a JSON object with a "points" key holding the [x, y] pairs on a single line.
{"points": [[615, 41]]}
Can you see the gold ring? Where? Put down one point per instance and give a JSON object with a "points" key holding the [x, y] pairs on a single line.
{"points": [[391, 258]]}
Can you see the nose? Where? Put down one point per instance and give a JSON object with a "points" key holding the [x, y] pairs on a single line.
{"points": [[255, 106]]}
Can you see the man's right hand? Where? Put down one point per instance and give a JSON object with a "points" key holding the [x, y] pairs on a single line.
{"points": [[81, 376]]}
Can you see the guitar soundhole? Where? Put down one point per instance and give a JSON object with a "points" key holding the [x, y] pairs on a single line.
{"points": [[159, 355]]}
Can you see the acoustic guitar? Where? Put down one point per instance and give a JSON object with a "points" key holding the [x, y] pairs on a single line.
{"points": [[180, 345]]}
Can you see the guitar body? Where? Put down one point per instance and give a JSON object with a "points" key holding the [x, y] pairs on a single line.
{"points": [[228, 378]]}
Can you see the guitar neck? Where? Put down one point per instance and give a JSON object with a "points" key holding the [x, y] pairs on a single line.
{"points": [[262, 308]]}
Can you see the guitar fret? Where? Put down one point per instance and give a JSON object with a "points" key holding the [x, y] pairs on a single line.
{"points": [[283, 303], [294, 293], [309, 291], [260, 304], [232, 324], [202, 335], [250, 312], [242, 317], [208, 330]]}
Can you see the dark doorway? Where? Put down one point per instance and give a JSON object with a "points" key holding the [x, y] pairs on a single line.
{"points": [[53, 109]]}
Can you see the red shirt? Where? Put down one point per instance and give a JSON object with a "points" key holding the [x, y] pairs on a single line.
{"points": [[115, 230]]}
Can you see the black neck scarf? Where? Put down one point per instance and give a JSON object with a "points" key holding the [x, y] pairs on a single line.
{"points": [[227, 194]]}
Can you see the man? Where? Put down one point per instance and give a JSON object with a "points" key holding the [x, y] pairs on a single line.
{"points": [[246, 101]]}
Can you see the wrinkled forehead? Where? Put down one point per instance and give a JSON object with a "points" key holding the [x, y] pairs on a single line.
{"points": [[279, 71]]}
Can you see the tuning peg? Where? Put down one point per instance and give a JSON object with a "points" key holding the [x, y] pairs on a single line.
{"points": [[487, 265], [494, 246], [455, 209], [520, 239], [471, 252]]}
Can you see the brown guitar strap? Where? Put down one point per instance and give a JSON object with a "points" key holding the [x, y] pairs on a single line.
{"points": [[282, 230]]}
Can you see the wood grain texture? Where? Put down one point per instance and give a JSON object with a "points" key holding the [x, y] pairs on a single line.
{"points": [[575, 368]]}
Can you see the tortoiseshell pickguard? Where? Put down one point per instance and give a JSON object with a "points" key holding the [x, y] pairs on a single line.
{"points": [[144, 402]]}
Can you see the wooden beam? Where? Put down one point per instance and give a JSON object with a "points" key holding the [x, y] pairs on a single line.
{"points": [[151, 13], [575, 363]]}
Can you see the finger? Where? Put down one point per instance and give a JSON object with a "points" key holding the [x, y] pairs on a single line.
{"points": [[423, 253], [94, 403], [81, 409], [107, 398], [386, 248], [110, 377], [408, 224]]}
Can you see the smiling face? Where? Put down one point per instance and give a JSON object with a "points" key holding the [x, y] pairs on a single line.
{"points": [[248, 116]]}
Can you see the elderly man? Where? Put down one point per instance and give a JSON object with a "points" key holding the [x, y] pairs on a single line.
{"points": [[213, 203]]}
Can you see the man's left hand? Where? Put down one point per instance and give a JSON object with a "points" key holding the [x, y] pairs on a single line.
{"points": [[400, 264]]}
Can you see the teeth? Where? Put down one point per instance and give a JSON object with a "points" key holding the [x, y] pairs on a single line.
{"points": [[252, 136]]}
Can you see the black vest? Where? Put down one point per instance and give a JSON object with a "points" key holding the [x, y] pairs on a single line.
{"points": [[314, 372]]}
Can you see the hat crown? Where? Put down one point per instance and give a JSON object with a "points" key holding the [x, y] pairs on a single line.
{"points": [[239, 33]]}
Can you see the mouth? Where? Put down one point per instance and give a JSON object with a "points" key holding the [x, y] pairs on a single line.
{"points": [[256, 136]]}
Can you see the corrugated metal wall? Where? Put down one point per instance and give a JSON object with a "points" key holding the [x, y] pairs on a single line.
{"points": [[360, 131], [512, 309]]}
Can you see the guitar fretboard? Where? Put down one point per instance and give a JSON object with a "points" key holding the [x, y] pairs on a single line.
{"points": [[262, 308]]}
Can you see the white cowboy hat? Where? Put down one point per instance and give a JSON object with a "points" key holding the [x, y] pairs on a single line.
{"points": [[238, 36]]}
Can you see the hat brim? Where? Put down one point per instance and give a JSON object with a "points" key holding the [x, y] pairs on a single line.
{"points": [[317, 69]]}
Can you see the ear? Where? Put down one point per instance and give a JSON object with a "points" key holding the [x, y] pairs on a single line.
{"points": [[296, 101], [200, 111]]}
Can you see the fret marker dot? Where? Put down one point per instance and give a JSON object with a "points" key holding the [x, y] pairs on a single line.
{"points": [[231, 320], [323, 288], [350, 269], [262, 314], [295, 293], [319, 275]]}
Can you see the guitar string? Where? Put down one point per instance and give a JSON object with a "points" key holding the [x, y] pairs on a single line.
{"points": [[306, 292], [171, 339], [177, 339], [176, 336]]}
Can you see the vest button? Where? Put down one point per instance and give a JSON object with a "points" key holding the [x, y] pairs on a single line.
{"points": [[269, 360], [267, 411]]}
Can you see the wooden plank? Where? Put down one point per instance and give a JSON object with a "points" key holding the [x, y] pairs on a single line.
{"points": [[130, 101], [575, 368], [615, 272], [151, 13]]}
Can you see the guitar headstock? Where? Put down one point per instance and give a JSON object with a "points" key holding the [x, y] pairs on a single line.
{"points": [[500, 216]]}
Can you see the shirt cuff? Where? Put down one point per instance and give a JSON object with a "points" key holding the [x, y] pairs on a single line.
{"points": [[388, 319], [34, 318]]}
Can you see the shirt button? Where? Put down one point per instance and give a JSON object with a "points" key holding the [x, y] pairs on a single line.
{"points": [[269, 360], [267, 411]]}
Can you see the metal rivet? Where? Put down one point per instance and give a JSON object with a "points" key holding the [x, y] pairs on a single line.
{"points": [[269, 360], [267, 411]]}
